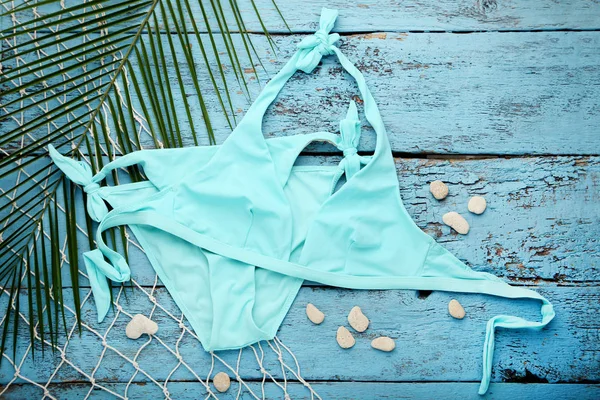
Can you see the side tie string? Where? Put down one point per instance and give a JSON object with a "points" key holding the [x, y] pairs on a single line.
{"points": [[99, 271], [81, 173], [102, 263]]}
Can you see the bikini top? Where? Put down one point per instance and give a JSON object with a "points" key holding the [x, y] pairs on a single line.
{"points": [[233, 230]]}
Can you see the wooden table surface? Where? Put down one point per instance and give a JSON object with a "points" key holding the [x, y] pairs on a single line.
{"points": [[497, 98]]}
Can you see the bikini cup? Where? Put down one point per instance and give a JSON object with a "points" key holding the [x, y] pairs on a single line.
{"points": [[243, 204]]}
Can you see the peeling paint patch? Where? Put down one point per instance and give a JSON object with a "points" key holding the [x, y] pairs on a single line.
{"points": [[380, 35], [369, 36], [510, 375]]}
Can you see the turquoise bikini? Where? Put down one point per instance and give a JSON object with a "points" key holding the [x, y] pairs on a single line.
{"points": [[233, 230]]}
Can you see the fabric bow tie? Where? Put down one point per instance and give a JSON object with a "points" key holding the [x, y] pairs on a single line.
{"points": [[81, 173], [313, 47], [348, 142]]}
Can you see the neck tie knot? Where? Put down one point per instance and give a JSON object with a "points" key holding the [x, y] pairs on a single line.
{"points": [[325, 42], [312, 48]]}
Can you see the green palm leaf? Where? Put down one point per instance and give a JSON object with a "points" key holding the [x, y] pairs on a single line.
{"points": [[97, 79]]}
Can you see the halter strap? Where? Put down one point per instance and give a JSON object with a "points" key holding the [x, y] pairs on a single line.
{"points": [[310, 51]]}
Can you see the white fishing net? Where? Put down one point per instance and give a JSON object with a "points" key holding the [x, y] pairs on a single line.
{"points": [[100, 358]]}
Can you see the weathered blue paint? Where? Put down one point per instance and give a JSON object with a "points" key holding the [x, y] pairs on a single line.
{"points": [[432, 15], [413, 15], [540, 226], [430, 345], [327, 390], [479, 93], [514, 93]]}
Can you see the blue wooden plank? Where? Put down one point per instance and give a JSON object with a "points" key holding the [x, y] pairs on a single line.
{"points": [[515, 93], [541, 221], [479, 93], [522, 93], [540, 226], [431, 346], [327, 390], [413, 15], [446, 15]]}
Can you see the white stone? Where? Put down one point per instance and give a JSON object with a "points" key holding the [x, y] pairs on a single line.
{"points": [[438, 189], [358, 320], [477, 205], [314, 314], [344, 338], [455, 309], [221, 382], [457, 222], [383, 343], [139, 325]]}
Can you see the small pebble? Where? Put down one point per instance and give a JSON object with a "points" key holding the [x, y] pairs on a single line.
{"points": [[438, 189], [383, 343], [221, 382], [314, 314], [139, 325], [357, 319], [344, 338], [457, 222], [456, 310], [477, 205]]}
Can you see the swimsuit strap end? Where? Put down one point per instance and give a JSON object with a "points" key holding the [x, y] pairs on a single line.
{"points": [[509, 322], [98, 282]]}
